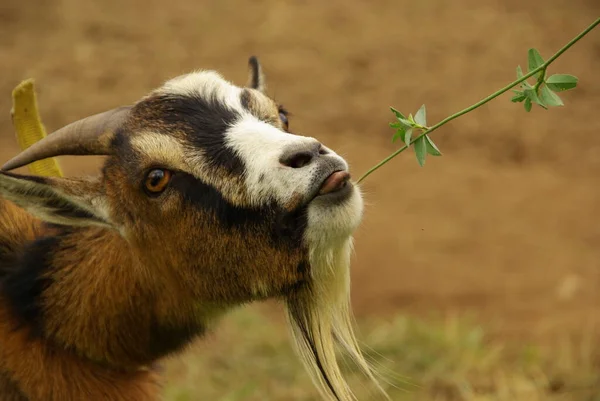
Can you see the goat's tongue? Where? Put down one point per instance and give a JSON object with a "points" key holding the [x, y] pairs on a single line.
{"points": [[334, 182]]}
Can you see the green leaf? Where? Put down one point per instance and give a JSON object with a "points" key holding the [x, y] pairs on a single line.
{"points": [[408, 136], [534, 60], [420, 150], [550, 98], [402, 123], [421, 117], [532, 95], [524, 84], [519, 72], [519, 97], [400, 133], [431, 148], [411, 119], [527, 105], [397, 113], [561, 82], [401, 118], [407, 124]]}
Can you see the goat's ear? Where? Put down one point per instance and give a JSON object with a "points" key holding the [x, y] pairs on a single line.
{"points": [[256, 77], [66, 201]]}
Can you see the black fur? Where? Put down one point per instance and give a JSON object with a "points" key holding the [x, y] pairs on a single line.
{"points": [[204, 121], [255, 69], [289, 227], [303, 267], [166, 339], [246, 99], [286, 228], [25, 276], [9, 386], [49, 199], [207, 198], [68, 210], [8, 259], [127, 156], [33, 178]]}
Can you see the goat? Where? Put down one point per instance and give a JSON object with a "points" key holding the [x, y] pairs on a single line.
{"points": [[205, 201]]}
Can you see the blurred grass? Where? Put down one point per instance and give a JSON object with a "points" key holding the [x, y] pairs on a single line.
{"points": [[249, 358]]}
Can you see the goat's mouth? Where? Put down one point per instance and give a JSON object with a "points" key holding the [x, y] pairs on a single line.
{"points": [[336, 187], [336, 182]]}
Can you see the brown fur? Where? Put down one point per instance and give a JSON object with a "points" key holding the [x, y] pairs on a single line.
{"points": [[8, 389], [16, 226], [44, 371], [49, 373], [103, 291], [263, 107]]}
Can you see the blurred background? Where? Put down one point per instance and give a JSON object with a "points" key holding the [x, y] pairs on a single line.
{"points": [[476, 277]]}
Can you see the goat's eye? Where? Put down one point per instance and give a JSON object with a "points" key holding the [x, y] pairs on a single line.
{"points": [[284, 119], [157, 180]]}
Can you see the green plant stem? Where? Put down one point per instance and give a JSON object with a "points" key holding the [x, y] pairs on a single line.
{"points": [[485, 100], [540, 80]]}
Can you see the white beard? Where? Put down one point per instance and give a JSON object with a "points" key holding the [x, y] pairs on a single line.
{"points": [[319, 314]]}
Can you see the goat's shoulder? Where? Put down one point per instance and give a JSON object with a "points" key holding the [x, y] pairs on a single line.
{"points": [[25, 242], [40, 371]]}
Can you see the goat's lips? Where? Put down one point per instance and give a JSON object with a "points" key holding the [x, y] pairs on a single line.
{"points": [[334, 182]]}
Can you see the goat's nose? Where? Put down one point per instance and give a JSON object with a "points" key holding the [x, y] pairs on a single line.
{"points": [[300, 155]]}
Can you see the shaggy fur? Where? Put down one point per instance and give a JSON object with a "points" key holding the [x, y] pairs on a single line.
{"points": [[102, 277]]}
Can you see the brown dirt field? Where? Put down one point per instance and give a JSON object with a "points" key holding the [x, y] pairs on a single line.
{"points": [[504, 225]]}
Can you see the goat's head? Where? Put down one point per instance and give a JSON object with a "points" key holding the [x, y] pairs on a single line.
{"points": [[207, 184]]}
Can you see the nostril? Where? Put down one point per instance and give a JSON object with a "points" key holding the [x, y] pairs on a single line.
{"points": [[297, 160], [301, 154]]}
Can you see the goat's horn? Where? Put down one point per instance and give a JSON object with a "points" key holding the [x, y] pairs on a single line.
{"points": [[88, 136]]}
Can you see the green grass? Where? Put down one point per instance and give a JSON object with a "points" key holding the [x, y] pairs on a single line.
{"points": [[250, 358]]}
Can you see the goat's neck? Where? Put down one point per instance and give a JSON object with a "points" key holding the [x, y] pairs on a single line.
{"points": [[90, 294]]}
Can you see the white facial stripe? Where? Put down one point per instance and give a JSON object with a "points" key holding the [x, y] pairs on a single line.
{"points": [[205, 84], [160, 148], [261, 145]]}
